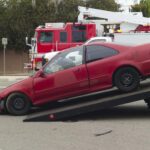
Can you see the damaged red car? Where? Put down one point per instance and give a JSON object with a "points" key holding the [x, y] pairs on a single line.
{"points": [[77, 71]]}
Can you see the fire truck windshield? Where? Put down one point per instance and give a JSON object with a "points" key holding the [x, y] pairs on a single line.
{"points": [[46, 37]]}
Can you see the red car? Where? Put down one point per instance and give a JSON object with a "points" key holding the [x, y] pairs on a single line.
{"points": [[77, 71]]}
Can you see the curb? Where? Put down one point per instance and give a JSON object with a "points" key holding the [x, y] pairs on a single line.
{"points": [[11, 78]]}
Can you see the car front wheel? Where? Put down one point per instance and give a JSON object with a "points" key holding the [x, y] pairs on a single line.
{"points": [[18, 104], [127, 79]]}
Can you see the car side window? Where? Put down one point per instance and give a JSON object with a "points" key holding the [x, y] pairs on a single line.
{"points": [[65, 60], [96, 52]]}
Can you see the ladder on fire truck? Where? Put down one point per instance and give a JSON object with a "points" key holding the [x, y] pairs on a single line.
{"points": [[91, 103], [112, 17], [115, 21]]}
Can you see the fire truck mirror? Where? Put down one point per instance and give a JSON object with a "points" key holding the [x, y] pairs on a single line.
{"points": [[27, 40], [27, 43], [33, 41]]}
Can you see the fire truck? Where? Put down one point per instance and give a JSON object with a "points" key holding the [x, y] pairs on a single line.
{"points": [[57, 37]]}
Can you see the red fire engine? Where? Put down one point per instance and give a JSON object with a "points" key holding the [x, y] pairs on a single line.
{"points": [[57, 37]]}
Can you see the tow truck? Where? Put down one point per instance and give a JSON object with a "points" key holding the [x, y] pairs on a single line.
{"points": [[91, 103]]}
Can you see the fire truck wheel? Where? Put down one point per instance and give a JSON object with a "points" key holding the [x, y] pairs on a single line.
{"points": [[127, 79], [18, 104]]}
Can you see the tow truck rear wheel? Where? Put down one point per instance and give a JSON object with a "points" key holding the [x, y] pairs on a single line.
{"points": [[127, 79], [147, 101], [18, 104]]}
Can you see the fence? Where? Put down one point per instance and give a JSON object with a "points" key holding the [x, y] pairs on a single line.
{"points": [[14, 62]]}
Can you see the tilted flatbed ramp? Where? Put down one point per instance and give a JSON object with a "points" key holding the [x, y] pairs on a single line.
{"points": [[91, 103]]}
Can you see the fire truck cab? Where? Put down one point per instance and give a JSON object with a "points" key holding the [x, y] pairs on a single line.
{"points": [[57, 37]]}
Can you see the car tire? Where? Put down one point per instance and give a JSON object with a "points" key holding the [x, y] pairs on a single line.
{"points": [[127, 79], [18, 104]]}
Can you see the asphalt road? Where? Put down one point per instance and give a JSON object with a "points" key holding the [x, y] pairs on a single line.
{"points": [[126, 127]]}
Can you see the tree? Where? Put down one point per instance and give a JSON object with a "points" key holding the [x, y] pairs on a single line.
{"points": [[17, 22], [19, 18], [144, 6], [44, 12], [110, 5], [67, 10]]}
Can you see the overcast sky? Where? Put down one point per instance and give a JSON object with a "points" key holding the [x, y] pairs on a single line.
{"points": [[127, 2]]}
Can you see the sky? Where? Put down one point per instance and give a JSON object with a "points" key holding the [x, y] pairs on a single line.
{"points": [[127, 2]]}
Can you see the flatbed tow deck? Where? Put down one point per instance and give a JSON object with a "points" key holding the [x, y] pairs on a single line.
{"points": [[106, 99]]}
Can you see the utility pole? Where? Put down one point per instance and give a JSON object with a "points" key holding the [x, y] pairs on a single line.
{"points": [[4, 43]]}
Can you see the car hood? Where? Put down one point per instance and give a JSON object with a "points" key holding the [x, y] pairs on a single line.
{"points": [[24, 86]]}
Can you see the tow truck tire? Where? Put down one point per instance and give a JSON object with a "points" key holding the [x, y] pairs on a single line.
{"points": [[18, 104], [147, 101], [127, 79]]}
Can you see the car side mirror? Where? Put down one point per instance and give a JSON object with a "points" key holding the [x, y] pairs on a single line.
{"points": [[40, 73], [36, 69]]}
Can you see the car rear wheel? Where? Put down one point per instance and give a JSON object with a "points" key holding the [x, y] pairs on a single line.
{"points": [[18, 104], [127, 79]]}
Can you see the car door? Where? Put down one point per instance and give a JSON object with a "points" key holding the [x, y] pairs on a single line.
{"points": [[65, 76], [100, 60]]}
